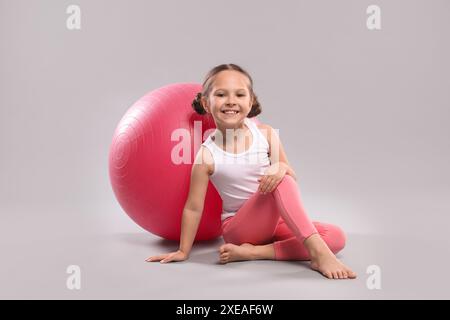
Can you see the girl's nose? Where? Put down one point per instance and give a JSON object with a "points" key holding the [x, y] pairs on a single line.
{"points": [[231, 101]]}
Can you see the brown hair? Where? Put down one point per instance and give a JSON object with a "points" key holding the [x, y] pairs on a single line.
{"points": [[207, 86]]}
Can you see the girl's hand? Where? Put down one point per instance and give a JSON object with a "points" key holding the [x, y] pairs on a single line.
{"points": [[169, 257], [272, 177]]}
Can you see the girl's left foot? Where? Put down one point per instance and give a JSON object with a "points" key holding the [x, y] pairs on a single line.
{"points": [[324, 261], [328, 265], [230, 252]]}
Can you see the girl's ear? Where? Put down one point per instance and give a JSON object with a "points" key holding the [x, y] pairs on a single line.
{"points": [[204, 104]]}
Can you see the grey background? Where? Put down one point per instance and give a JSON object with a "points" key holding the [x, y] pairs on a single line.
{"points": [[363, 116]]}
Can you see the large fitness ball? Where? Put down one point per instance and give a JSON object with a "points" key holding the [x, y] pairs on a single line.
{"points": [[150, 187]]}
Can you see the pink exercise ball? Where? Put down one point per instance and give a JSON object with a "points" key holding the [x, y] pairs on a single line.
{"points": [[149, 186]]}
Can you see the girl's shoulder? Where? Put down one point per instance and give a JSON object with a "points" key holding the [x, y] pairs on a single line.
{"points": [[263, 126], [205, 157], [266, 130]]}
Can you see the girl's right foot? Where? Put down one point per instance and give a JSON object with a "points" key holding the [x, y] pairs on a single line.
{"points": [[230, 252]]}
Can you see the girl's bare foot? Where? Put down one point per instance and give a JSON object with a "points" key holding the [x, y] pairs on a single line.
{"points": [[331, 267], [322, 258], [230, 252], [324, 261]]}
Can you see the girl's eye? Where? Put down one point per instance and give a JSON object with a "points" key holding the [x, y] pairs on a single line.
{"points": [[221, 95]]}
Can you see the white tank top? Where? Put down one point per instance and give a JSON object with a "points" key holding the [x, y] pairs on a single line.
{"points": [[235, 174]]}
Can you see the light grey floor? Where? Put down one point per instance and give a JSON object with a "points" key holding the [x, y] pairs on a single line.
{"points": [[35, 257]]}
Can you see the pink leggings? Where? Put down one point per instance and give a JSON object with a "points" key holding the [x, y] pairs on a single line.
{"points": [[279, 218]]}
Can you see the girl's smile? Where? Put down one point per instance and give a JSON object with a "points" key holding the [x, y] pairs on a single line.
{"points": [[230, 100]]}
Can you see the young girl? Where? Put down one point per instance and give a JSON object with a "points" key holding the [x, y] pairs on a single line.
{"points": [[263, 216]]}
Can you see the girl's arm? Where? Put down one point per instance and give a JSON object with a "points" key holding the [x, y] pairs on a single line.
{"points": [[289, 170], [193, 209], [280, 156]]}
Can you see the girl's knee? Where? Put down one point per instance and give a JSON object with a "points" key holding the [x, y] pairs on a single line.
{"points": [[337, 239], [333, 236], [288, 179], [286, 182]]}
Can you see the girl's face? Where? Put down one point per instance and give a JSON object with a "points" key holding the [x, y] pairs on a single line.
{"points": [[230, 100]]}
